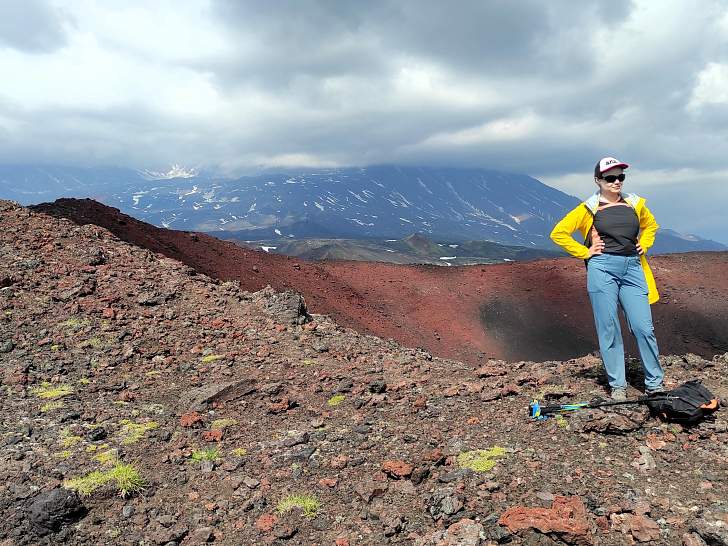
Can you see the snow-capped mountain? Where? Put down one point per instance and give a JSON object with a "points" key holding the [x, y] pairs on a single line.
{"points": [[453, 204], [176, 171]]}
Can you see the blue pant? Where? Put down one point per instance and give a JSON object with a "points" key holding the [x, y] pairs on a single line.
{"points": [[613, 279]]}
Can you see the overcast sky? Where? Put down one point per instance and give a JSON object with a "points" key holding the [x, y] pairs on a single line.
{"points": [[544, 88]]}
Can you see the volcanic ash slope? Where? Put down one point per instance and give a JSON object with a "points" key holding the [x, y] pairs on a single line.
{"points": [[183, 411]]}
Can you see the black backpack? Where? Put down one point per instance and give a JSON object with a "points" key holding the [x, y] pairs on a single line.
{"points": [[687, 404]]}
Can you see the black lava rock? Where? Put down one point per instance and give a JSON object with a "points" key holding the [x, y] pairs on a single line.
{"points": [[96, 433], [377, 387], [51, 510]]}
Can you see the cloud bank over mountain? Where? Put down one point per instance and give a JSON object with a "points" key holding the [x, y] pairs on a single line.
{"points": [[543, 88]]}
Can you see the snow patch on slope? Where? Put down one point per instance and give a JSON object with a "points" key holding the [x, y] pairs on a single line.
{"points": [[176, 171]]}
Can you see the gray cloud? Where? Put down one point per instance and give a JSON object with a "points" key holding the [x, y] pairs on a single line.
{"points": [[326, 38], [31, 26]]}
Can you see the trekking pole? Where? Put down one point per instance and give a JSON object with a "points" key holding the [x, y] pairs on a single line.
{"points": [[539, 412]]}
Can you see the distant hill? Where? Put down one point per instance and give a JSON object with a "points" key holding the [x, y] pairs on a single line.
{"points": [[668, 241], [413, 249], [379, 202]]}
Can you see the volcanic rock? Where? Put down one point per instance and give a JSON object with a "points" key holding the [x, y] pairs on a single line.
{"points": [[51, 510], [566, 518], [712, 528], [369, 489], [615, 422], [445, 502], [397, 469], [284, 307], [465, 532], [198, 399]]}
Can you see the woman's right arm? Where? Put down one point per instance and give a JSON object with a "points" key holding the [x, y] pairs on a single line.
{"points": [[561, 235]]}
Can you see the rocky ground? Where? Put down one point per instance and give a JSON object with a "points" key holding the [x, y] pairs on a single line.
{"points": [[145, 403]]}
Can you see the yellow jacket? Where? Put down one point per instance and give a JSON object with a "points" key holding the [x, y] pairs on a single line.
{"points": [[582, 219]]}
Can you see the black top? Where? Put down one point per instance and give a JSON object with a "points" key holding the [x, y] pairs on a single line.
{"points": [[618, 226]]}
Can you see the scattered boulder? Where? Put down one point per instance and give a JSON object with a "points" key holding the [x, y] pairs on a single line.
{"points": [[693, 539], [96, 434], [445, 503], [397, 469], [712, 529], [266, 522], [202, 535], [614, 421], [344, 386], [640, 526], [567, 519], [283, 307], [370, 489], [72, 289], [54, 509], [198, 399], [465, 532], [493, 368], [377, 387], [151, 298], [645, 462], [190, 419], [392, 523]]}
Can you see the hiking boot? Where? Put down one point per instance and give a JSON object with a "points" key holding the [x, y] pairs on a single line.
{"points": [[655, 390], [619, 394]]}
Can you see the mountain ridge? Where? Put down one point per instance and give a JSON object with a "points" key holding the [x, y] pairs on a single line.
{"points": [[356, 203]]}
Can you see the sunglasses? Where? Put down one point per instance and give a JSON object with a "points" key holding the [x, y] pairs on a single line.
{"points": [[611, 178]]}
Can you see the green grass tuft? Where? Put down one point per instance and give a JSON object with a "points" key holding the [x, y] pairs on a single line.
{"points": [[207, 454], [336, 400], [125, 477], [92, 342], [47, 391], [74, 323], [480, 460], [108, 457], [239, 452], [212, 358], [87, 484], [68, 439], [222, 424], [51, 406], [308, 503], [133, 432]]}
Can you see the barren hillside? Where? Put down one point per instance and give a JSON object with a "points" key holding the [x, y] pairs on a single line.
{"points": [[144, 402], [535, 311]]}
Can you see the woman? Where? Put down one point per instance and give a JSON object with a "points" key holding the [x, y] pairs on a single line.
{"points": [[618, 229]]}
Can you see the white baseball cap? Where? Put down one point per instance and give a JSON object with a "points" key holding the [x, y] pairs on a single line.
{"points": [[607, 163]]}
